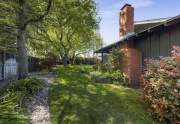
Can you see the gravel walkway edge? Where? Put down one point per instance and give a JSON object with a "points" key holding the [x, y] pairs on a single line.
{"points": [[38, 107]]}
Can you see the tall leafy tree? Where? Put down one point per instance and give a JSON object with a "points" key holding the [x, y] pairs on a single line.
{"points": [[71, 29], [17, 15]]}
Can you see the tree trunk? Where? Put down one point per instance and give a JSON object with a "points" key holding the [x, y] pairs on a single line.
{"points": [[21, 41], [22, 55], [65, 61], [73, 60]]}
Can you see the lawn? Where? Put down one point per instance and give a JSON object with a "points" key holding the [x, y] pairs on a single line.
{"points": [[75, 99]]}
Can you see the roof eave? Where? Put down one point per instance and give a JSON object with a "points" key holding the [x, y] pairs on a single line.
{"points": [[169, 22], [107, 48]]}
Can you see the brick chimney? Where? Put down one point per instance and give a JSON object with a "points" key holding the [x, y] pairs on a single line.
{"points": [[126, 20], [131, 61]]}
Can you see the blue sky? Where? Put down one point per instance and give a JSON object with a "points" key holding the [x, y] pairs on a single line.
{"points": [[144, 9]]}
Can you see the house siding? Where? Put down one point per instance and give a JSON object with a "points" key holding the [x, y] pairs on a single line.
{"points": [[159, 43], [149, 44], [175, 36]]}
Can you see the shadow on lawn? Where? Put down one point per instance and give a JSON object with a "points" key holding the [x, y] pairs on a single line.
{"points": [[75, 99]]}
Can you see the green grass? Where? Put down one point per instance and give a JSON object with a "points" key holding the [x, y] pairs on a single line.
{"points": [[75, 99], [12, 109]]}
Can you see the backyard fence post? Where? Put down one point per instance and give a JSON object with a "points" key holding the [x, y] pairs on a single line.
{"points": [[3, 64]]}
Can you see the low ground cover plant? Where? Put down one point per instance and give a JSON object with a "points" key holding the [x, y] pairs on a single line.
{"points": [[162, 87], [109, 72], [12, 98], [115, 77]]}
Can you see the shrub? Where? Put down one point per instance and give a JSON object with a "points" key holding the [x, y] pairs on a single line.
{"points": [[104, 67], [109, 72], [99, 77], [28, 86], [12, 99], [115, 58], [119, 78], [20, 90], [113, 63], [85, 61], [84, 69], [162, 86], [115, 77]]}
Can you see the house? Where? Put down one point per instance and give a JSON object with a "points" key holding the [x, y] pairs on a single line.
{"points": [[141, 40]]}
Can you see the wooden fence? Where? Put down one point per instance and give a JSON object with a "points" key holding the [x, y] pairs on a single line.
{"points": [[8, 65]]}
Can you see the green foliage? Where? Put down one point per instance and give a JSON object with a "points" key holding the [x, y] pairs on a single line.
{"points": [[85, 69], [27, 87], [12, 100], [161, 87], [113, 63], [70, 29], [104, 67], [114, 77], [85, 61], [115, 58], [75, 99], [9, 19], [110, 71], [7, 23], [118, 78]]}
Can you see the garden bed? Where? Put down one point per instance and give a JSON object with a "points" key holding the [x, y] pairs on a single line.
{"points": [[13, 97]]}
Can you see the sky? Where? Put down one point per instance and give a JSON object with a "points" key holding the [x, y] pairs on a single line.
{"points": [[108, 10]]}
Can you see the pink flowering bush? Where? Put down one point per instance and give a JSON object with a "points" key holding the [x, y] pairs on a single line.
{"points": [[162, 87]]}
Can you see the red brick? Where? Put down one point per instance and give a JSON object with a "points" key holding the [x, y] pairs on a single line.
{"points": [[131, 63], [126, 20]]}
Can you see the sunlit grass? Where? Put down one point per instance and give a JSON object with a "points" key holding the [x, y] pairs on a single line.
{"points": [[75, 99]]}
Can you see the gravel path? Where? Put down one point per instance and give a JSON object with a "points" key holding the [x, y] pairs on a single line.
{"points": [[38, 107]]}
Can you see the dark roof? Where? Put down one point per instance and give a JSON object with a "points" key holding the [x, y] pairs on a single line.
{"points": [[141, 27]]}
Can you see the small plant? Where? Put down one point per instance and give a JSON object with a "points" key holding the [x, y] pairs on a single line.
{"points": [[113, 62], [110, 72], [115, 77], [162, 87], [28, 86], [119, 78], [115, 58]]}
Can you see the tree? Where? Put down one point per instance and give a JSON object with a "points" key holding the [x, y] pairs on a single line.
{"points": [[23, 21], [115, 58], [23, 13], [7, 24], [70, 29]]}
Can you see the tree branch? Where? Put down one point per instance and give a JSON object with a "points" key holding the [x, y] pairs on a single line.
{"points": [[41, 16]]}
